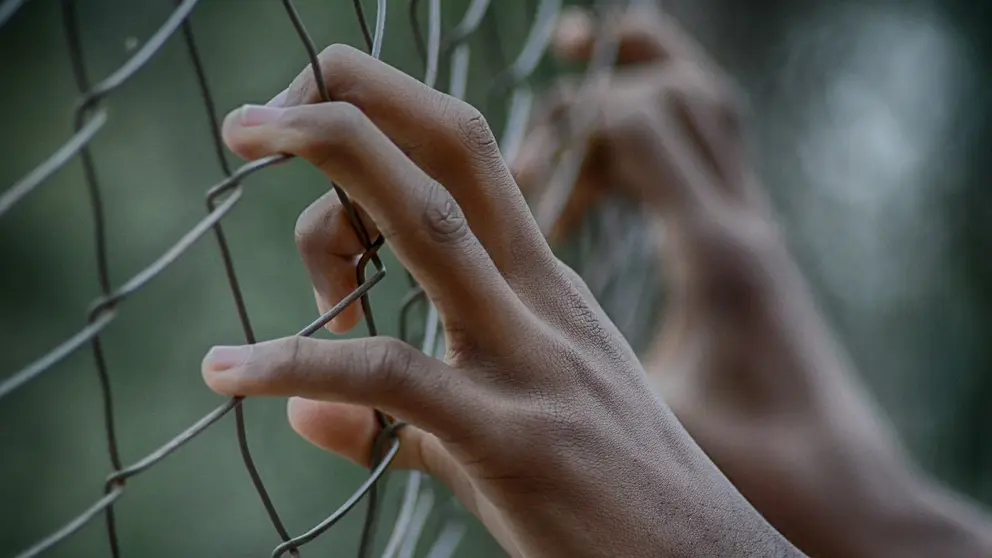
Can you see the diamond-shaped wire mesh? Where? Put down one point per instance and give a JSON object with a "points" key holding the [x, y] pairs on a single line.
{"points": [[91, 116]]}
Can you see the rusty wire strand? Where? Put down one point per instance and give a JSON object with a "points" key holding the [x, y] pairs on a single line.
{"points": [[90, 118]]}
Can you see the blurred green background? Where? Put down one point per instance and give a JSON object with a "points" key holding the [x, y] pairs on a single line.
{"points": [[873, 125]]}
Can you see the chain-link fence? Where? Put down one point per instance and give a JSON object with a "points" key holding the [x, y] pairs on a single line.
{"points": [[434, 46], [460, 53]]}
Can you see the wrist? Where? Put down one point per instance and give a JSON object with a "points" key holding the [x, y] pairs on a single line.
{"points": [[656, 495]]}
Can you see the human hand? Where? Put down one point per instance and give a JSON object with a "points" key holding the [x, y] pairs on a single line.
{"points": [[663, 126], [667, 130], [743, 358], [539, 418]]}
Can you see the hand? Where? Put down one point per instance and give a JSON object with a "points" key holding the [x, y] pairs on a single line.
{"points": [[539, 418], [666, 126], [743, 358]]}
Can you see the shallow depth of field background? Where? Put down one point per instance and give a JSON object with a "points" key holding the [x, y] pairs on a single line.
{"points": [[872, 120]]}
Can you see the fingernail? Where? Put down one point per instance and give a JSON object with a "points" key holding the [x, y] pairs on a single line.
{"points": [[279, 100], [257, 115], [222, 358]]}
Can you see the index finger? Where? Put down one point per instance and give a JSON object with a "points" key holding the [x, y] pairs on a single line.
{"points": [[415, 214], [331, 249], [447, 138]]}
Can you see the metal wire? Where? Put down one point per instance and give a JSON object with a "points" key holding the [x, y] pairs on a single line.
{"points": [[90, 117]]}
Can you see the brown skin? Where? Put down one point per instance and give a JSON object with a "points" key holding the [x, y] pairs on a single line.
{"points": [[540, 418], [744, 358]]}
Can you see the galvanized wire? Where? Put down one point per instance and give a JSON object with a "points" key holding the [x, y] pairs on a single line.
{"points": [[90, 117]]}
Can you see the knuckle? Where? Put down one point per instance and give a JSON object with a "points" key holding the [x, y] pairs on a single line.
{"points": [[297, 120], [288, 357], [442, 218], [582, 307], [302, 89], [473, 130], [336, 64], [390, 361], [306, 235], [584, 319], [324, 132], [571, 275], [303, 135], [346, 119], [313, 224], [337, 54], [333, 61]]}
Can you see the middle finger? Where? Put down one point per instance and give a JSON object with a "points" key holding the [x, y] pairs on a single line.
{"points": [[330, 248], [415, 214], [448, 139]]}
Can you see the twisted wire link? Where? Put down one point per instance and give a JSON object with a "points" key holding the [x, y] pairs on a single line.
{"points": [[89, 119]]}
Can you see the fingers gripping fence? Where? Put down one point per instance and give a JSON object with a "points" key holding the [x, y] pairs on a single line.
{"points": [[91, 115]]}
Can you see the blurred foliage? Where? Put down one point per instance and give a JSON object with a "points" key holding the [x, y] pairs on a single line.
{"points": [[922, 352]]}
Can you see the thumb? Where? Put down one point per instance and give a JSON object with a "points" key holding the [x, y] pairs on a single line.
{"points": [[375, 372]]}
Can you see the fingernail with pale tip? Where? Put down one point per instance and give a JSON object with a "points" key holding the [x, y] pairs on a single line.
{"points": [[222, 358], [257, 115]]}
